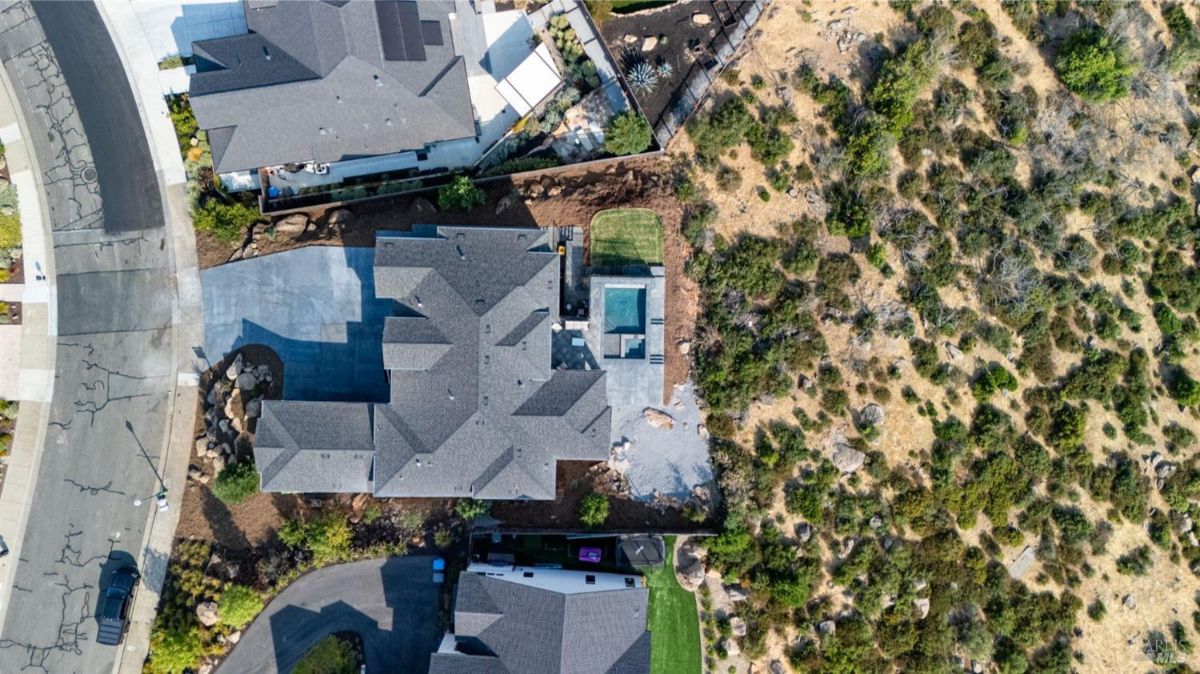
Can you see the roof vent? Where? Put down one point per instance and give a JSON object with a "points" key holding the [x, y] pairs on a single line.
{"points": [[324, 131], [450, 394], [339, 100], [378, 82], [266, 53]]}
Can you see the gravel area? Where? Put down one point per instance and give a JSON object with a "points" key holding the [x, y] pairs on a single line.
{"points": [[659, 460]]}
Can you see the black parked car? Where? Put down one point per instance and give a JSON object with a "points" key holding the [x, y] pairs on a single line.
{"points": [[114, 609]]}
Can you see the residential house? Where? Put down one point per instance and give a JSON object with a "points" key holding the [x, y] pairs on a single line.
{"points": [[475, 409], [317, 92], [546, 621]]}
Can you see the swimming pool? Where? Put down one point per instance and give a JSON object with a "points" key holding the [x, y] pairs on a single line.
{"points": [[624, 310]]}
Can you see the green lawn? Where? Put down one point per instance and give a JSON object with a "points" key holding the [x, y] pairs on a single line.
{"points": [[623, 236], [673, 622]]}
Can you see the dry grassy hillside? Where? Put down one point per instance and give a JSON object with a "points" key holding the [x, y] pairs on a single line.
{"points": [[952, 250]]}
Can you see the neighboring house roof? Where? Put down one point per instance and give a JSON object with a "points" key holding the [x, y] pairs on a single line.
{"points": [[475, 408], [501, 626], [326, 81]]}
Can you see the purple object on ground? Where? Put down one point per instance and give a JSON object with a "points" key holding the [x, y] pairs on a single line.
{"points": [[589, 555]]}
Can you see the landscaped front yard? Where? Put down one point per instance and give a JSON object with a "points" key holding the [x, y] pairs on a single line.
{"points": [[622, 236], [673, 621]]}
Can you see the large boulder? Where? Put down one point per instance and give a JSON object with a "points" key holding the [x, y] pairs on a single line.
{"points": [[206, 613], [1023, 563], [691, 575], [339, 219], [234, 369], [842, 453], [247, 381], [292, 225], [233, 406], [658, 418], [737, 626], [872, 415], [922, 606], [847, 459]]}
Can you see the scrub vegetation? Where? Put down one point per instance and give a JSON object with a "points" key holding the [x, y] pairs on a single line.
{"points": [[969, 337]]}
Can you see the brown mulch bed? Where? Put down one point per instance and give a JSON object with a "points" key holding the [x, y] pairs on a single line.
{"points": [[575, 480]]}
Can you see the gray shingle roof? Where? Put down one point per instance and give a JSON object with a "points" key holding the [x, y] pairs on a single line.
{"points": [[475, 408], [308, 446], [310, 82], [538, 631]]}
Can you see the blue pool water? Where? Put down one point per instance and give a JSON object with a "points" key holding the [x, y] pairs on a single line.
{"points": [[625, 310]]}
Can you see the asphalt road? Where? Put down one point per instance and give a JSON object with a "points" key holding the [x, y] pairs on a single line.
{"points": [[114, 368], [391, 602], [90, 63]]}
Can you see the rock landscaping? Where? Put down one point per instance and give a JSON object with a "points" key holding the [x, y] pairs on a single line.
{"points": [[231, 408]]}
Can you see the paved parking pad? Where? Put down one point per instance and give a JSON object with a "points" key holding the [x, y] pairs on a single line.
{"points": [[392, 603], [315, 307]]}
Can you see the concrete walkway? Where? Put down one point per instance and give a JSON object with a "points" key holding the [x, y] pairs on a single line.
{"points": [[392, 603]]}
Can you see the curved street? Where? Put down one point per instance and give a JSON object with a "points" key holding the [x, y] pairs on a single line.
{"points": [[392, 603], [121, 333]]}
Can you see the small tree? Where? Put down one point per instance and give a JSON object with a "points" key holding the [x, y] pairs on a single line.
{"points": [[236, 483], [460, 195], [238, 606], [469, 509], [1093, 66], [593, 509], [627, 133]]}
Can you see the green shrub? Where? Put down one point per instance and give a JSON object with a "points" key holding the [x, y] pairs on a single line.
{"points": [[460, 195], [1185, 42], [239, 605], [236, 483], [226, 221], [1093, 66], [1096, 610], [471, 509], [593, 509], [991, 379], [720, 130], [1184, 389], [174, 650], [627, 133], [1136, 562], [327, 537], [10, 231]]}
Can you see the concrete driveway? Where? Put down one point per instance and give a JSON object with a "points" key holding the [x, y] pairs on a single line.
{"points": [[315, 307], [391, 602]]}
